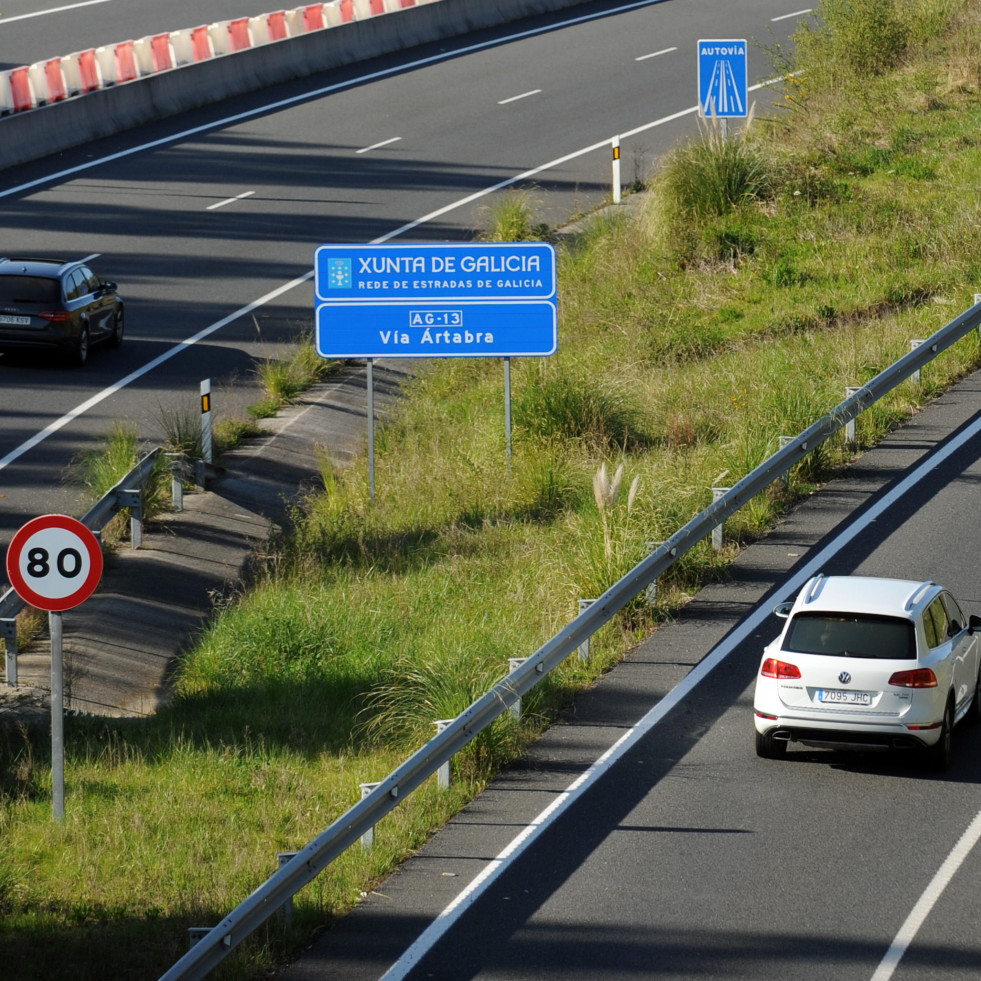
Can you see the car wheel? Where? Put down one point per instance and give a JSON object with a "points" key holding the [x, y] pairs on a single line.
{"points": [[938, 755], [769, 748], [118, 326], [80, 353], [973, 716]]}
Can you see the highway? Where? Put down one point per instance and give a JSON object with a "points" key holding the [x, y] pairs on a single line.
{"points": [[208, 222], [689, 857]]}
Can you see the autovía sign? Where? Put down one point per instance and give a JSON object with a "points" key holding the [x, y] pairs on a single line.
{"points": [[413, 301], [723, 75]]}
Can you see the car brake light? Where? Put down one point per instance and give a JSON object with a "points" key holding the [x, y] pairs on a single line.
{"points": [[55, 316], [772, 668], [917, 678]]}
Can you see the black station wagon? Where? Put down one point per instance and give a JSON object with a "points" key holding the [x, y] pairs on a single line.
{"points": [[49, 304]]}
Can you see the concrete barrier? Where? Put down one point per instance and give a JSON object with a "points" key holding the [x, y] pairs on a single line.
{"points": [[30, 133]]}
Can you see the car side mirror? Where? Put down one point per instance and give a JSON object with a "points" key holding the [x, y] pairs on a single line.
{"points": [[782, 610], [974, 624], [107, 287]]}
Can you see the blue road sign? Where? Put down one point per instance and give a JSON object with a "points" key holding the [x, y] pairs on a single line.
{"points": [[723, 79], [429, 301]]}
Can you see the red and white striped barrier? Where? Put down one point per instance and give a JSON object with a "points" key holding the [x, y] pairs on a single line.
{"points": [[82, 73], [155, 54], [48, 81], [267, 28], [28, 87], [118, 62], [19, 90]]}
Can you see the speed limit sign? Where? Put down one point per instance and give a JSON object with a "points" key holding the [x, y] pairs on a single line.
{"points": [[54, 562]]}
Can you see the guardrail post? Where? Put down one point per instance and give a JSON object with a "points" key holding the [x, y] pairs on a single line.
{"points": [[368, 838], [719, 530], [194, 934], [130, 498], [513, 664], [8, 633], [286, 910], [850, 390], [785, 476], [650, 593], [443, 773], [176, 480], [913, 345], [583, 649]]}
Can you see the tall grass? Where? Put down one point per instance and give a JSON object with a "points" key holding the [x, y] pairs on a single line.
{"points": [[691, 338]]}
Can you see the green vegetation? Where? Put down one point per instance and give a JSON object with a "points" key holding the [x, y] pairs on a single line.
{"points": [[694, 330]]}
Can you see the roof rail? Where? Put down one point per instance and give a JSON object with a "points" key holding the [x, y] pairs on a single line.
{"points": [[918, 593], [814, 587]]}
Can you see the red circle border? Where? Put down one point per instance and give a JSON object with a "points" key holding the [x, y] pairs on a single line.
{"points": [[92, 546]]}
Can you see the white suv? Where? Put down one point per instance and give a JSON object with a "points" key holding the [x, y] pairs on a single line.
{"points": [[866, 663]]}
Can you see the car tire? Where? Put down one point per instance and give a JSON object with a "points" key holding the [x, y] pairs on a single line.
{"points": [[939, 755], [769, 748], [80, 353], [118, 328]]}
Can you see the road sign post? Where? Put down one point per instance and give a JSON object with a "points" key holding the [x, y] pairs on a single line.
{"points": [[54, 563]]}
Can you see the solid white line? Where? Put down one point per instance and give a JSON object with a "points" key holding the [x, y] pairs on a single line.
{"points": [[376, 146], [928, 900], [514, 98], [317, 93], [655, 54], [428, 938], [53, 10], [238, 197], [797, 13]]}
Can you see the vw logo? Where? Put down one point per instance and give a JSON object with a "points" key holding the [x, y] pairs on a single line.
{"points": [[845, 678]]}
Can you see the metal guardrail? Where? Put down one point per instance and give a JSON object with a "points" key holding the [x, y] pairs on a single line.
{"points": [[279, 889], [124, 494]]}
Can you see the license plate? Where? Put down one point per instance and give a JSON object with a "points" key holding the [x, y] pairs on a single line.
{"points": [[839, 697], [6, 318]]}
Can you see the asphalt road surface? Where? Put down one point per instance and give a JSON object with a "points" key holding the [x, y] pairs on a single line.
{"points": [[689, 857], [209, 222]]}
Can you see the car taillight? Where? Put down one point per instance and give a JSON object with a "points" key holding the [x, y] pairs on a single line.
{"points": [[772, 668], [55, 316], [917, 678]]}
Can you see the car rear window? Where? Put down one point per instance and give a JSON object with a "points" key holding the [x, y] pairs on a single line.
{"points": [[856, 636], [29, 289]]}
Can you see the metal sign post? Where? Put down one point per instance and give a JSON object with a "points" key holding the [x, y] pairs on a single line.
{"points": [[54, 563]]}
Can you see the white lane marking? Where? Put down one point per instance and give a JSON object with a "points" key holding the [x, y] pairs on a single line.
{"points": [[928, 900], [317, 93], [221, 204], [655, 54], [796, 13], [515, 98], [378, 146], [472, 892], [52, 10]]}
